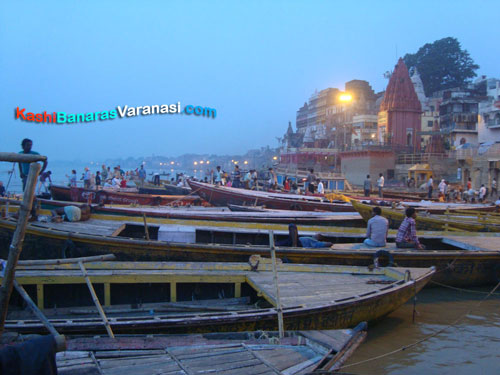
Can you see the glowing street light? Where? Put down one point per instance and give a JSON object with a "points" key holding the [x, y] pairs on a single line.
{"points": [[208, 162], [275, 158], [245, 162], [345, 97], [172, 162], [195, 163]]}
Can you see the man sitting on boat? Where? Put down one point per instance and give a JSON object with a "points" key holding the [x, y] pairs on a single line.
{"points": [[376, 231], [407, 232], [71, 213], [294, 240]]}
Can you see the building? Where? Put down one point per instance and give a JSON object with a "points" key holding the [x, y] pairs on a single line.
{"points": [[399, 117], [458, 116], [489, 113]]}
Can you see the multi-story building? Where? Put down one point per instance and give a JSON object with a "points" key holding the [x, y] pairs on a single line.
{"points": [[458, 115], [489, 113]]}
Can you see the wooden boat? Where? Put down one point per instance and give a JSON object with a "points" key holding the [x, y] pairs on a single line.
{"points": [[109, 196], [198, 215], [460, 261], [222, 196], [164, 189], [311, 296], [431, 222], [245, 353]]}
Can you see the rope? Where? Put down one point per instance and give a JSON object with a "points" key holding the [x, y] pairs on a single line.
{"points": [[11, 174], [404, 347], [461, 289]]}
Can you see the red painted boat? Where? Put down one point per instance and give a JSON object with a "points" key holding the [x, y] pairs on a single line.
{"points": [[108, 196], [223, 195]]}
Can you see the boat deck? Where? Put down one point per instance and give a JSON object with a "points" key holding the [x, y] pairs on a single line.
{"points": [[300, 285], [248, 354]]}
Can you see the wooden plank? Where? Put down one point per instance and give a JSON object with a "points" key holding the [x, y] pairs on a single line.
{"points": [[107, 294], [173, 291], [39, 296]]}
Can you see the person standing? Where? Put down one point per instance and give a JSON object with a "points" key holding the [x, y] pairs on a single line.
{"points": [[482, 193], [218, 176], [273, 179], [98, 180], [2, 189], [367, 186], [86, 178], [442, 187], [321, 188], [380, 185], [255, 179], [469, 184], [311, 179], [494, 191], [104, 173], [377, 229], [142, 175], [24, 168], [236, 176], [407, 232], [430, 187], [247, 179]]}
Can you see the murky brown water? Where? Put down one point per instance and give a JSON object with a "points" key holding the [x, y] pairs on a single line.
{"points": [[470, 347]]}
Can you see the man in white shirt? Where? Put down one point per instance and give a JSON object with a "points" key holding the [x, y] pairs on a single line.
{"points": [[380, 184], [482, 193], [321, 189]]}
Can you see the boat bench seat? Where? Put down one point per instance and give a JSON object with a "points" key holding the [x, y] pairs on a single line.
{"points": [[362, 246]]}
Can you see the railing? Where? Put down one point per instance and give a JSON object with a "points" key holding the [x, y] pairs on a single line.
{"points": [[418, 158]]}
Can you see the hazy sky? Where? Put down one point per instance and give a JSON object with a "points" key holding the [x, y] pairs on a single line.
{"points": [[255, 62]]}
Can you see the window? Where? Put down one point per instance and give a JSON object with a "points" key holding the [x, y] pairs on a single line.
{"points": [[430, 124]]}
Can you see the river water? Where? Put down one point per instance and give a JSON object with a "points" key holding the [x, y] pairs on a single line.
{"points": [[472, 346]]}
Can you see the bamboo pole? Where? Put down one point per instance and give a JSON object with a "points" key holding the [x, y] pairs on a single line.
{"points": [[276, 285], [17, 241], [96, 301], [21, 158], [146, 231], [46, 262], [34, 308]]}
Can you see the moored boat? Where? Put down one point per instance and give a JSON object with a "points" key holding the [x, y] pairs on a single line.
{"points": [[433, 222], [110, 196], [460, 261], [223, 195], [245, 353], [310, 296]]}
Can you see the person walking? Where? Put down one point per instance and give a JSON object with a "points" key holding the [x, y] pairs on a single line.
{"points": [[367, 186], [86, 178], [380, 185]]}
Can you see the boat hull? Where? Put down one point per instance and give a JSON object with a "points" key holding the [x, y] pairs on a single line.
{"points": [[222, 196], [454, 267], [76, 194]]}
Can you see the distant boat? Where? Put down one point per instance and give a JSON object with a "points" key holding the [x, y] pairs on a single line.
{"points": [[223, 195], [110, 196]]}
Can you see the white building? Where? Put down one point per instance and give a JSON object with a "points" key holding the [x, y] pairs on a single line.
{"points": [[489, 113]]}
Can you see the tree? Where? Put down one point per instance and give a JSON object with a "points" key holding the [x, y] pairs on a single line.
{"points": [[442, 65]]}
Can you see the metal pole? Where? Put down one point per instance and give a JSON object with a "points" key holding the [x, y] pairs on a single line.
{"points": [[276, 285], [17, 242]]}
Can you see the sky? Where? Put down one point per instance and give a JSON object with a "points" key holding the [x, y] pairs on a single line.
{"points": [[255, 62]]}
